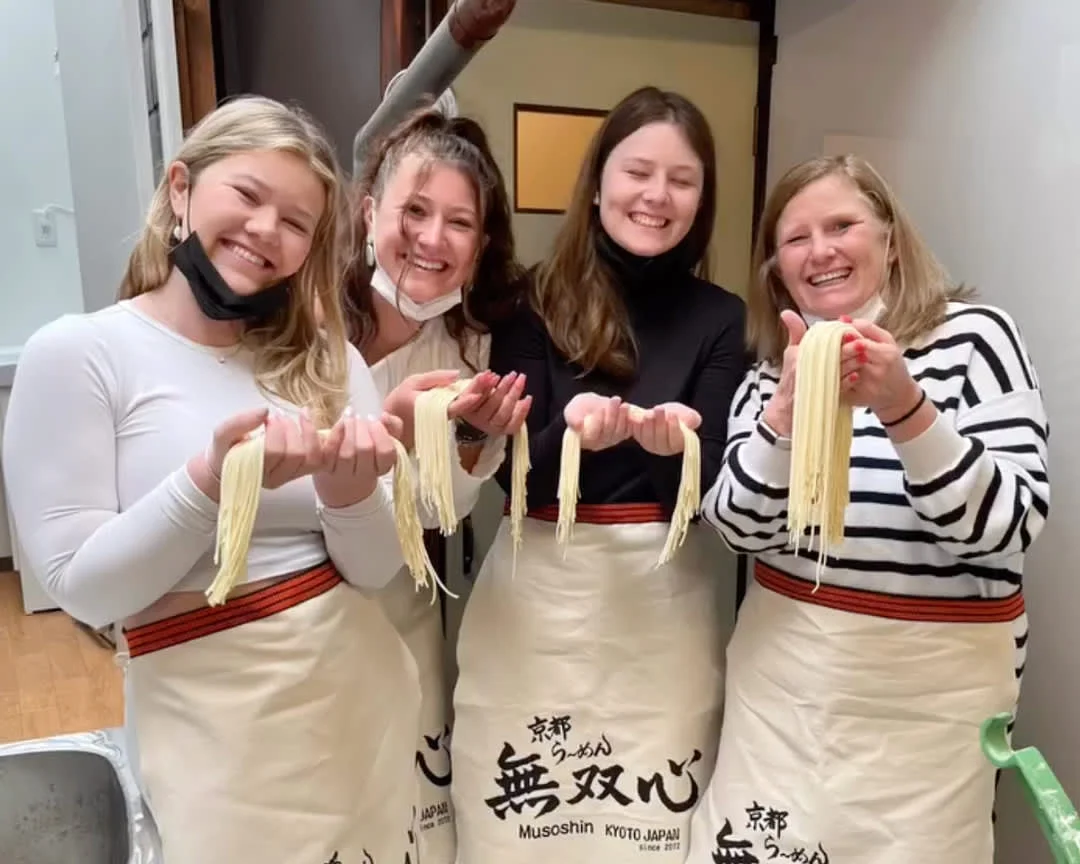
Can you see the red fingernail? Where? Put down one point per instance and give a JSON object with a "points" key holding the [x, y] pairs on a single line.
{"points": [[853, 377], [846, 319], [848, 337]]}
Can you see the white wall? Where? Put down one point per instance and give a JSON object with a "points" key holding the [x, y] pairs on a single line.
{"points": [[972, 107], [38, 283], [77, 136], [104, 96]]}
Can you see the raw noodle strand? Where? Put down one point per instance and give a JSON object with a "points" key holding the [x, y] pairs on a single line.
{"points": [[569, 469], [432, 435], [688, 497], [822, 424], [241, 487], [518, 492]]}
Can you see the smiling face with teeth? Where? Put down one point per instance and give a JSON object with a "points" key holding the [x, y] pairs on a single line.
{"points": [[650, 189], [426, 228], [256, 214], [831, 248]]}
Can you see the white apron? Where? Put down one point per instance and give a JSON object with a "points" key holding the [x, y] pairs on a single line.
{"points": [[417, 620], [853, 738], [278, 727], [589, 695]]}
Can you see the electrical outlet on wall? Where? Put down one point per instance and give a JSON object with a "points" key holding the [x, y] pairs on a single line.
{"points": [[45, 227]]}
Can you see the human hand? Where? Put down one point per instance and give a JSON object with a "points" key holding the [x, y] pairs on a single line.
{"points": [[657, 429], [779, 410], [355, 454], [501, 411], [875, 374], [205, 469], [401, 401], [601, 421]]}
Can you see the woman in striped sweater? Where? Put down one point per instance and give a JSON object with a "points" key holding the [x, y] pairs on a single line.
{"points": [[852, 712]]}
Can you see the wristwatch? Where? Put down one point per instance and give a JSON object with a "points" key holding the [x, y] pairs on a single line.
{"points": [[466, 433]]}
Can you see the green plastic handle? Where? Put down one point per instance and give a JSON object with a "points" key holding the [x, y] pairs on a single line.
{"points": [[1052, 806]]}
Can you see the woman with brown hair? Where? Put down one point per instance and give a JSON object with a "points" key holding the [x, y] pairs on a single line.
{"points": [[851, 729], [437, 267], [281, 725], [588, 702]]}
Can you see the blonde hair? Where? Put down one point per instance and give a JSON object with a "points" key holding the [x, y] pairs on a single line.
{"points": [[917, 287], [301, 354]]}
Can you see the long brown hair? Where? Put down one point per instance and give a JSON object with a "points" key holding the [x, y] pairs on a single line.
{"points": [[461, 143], [300, 355], [574, 290], [917, 287]]}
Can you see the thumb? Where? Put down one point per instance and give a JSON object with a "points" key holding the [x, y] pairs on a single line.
{"points": [[431, 380], [795, 325], [393, 425], [236, 427], [574, 416], [690, 417]]}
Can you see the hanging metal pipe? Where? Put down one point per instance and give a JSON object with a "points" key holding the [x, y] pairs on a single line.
{"points": [[467, 27]]}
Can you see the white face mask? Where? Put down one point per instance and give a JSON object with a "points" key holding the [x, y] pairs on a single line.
{"points": [[870, 311], [386, 288]]}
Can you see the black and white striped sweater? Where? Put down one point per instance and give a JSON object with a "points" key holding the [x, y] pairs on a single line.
{"points": [[947, 515]]}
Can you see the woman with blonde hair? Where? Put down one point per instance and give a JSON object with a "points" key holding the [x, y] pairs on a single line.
{"points": [[587, 708], [436, 269], [279, 726], [851, 730]]}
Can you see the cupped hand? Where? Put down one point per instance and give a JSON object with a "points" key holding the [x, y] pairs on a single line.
{"points": [[601, 421], [501, 411], [657, 429], [401, 401], [355, 454]]}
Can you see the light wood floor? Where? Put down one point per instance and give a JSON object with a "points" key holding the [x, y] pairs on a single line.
{"points": [[54, 678]]}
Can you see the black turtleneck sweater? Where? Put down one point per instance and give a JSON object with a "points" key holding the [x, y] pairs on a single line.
{"points": [[691, 349]]}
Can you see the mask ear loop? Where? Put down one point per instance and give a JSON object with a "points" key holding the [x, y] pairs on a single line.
{"points": [[178, 229], [187, 202]]}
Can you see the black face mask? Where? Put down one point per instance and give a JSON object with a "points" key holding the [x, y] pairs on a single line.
{"points": [[213, 294]]}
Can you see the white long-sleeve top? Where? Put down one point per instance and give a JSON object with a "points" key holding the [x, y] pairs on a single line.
{"points": [[434, 348], [105, 412], [948, 514]]}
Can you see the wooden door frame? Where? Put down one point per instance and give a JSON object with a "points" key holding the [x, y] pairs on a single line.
{"points": [[196, 60], [402, 33]]}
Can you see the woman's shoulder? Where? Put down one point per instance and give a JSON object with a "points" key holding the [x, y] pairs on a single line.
{"points": [[976, 323], [715, 297], [982, 334], [716, 308], [79, 334], [87, 347]]}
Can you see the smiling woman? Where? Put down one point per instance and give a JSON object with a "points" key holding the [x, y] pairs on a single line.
{"points": [[591, 650], [867, 691], [230, 321], [437, 265]]}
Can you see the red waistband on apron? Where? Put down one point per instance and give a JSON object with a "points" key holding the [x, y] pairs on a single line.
{"points": [[961, 610], [600, 514], [262, 603]]}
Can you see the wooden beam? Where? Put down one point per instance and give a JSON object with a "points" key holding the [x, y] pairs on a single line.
{"points": [[403, 33], [743, 10], [194, 28]]}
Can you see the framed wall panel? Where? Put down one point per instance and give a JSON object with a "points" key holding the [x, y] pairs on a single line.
{"points": [[549, 145]]}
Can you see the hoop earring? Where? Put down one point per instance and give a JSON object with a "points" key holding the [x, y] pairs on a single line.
{"points": [[369, 252]]}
